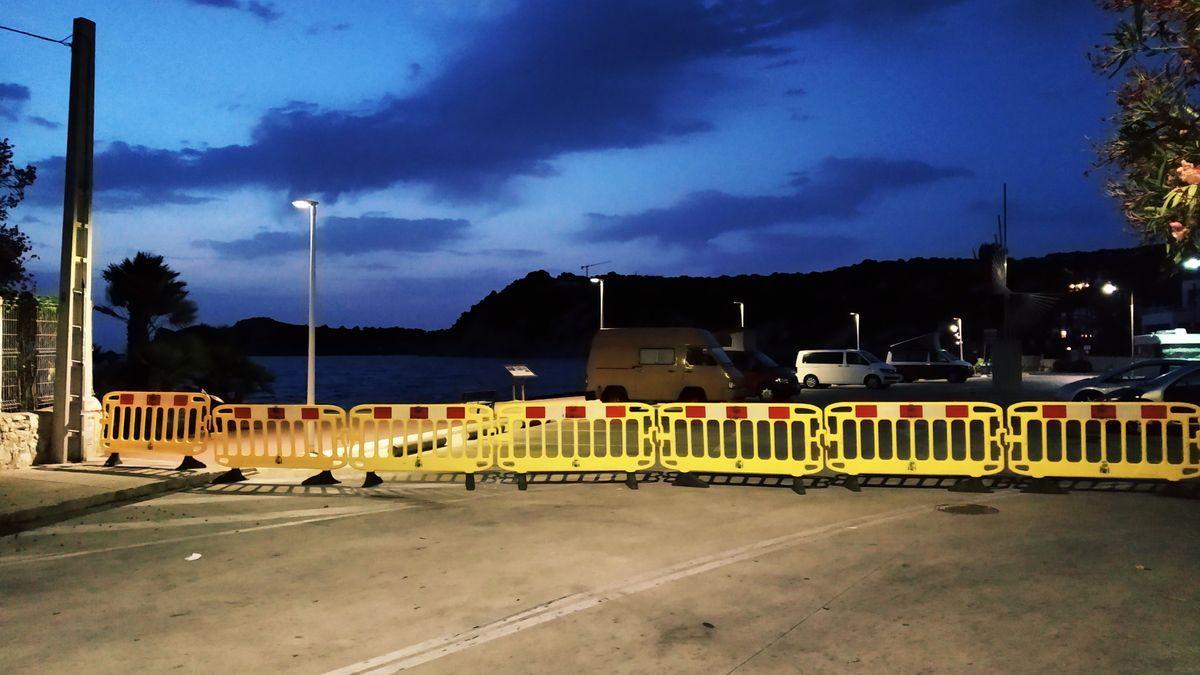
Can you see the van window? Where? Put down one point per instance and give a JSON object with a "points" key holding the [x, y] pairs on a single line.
{"points": [[824, 357], [855, 359], [909, 356], [700, 356], [656, 356]]}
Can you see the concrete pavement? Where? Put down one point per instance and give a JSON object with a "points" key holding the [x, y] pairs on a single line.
{"points": [[595, 577]]}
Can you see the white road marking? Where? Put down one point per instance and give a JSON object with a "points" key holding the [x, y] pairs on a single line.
{"points": [[74, 554], [85, 528], [436, 648]]}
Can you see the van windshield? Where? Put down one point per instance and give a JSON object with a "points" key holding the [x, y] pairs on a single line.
{"points": [[871, 358]]}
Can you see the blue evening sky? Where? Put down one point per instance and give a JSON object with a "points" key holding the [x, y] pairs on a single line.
{"points": [[455, 146]]}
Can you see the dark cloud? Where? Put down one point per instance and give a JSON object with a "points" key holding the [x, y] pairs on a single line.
{"points": [[13, 98], [581, 76], [797, 91], [42, 122], [348, 236], [839, 187], [318, 29], [263, 10]]}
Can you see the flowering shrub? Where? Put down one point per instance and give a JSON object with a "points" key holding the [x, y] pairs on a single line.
{"points": [[1156, 148]]}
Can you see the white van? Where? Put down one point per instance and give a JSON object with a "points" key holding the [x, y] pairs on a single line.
{"points": [[821, 367]]}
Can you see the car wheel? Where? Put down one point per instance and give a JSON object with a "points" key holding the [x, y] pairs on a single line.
{"points": [[957, 379], [614, 395], [692, 395], [811, 381], [767, 394], [1088, 395], [873, 382]]}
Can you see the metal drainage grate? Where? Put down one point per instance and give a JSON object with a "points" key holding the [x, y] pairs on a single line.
{"points": [[968, 509]]}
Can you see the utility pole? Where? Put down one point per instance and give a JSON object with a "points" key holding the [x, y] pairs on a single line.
{"points": [[73, 362]]}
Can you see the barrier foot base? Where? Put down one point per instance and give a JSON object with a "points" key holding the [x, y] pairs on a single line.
{"points": [[470, 480], [687, 479], [970, 485], [230, 476], [851, 483], [372, 479], [190, 463], [323, 478], [631, 481], [798, 485], [1043, 486], [113, 459], [522, 482]]}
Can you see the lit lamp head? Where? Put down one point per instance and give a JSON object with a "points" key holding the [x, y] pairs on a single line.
{"points": [[304, 203], [1191, 264], [1108, 288], [595, 280]]}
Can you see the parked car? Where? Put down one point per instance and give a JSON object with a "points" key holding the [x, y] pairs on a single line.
{"points": [[1098, 387], [1180, 385], [821, 367], [929, 364], [764, 378], [661, 364]]}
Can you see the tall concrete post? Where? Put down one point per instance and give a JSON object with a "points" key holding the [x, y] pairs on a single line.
{"points": [[73, 362]]}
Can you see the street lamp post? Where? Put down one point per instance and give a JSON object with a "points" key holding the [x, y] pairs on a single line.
{"points": [[598, 280], [311, 205], [959, 333], [857, 341], [741, 313], [1108, 289]]}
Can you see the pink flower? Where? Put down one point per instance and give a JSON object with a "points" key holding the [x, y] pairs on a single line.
{"points": [[1188, 173], [1178, 230]]}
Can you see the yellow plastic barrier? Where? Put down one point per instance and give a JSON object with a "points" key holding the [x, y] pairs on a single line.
{"points": [[574, 436], [283, 436], [749, 438], [920, 439], [166, 422], [434, 438], [1104, 440]]}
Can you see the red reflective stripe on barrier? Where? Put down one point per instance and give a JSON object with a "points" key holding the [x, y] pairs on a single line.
{"points": [[735, 412], [241, 413], [1154, 412], [910, 411], [576, 412], [1054, 411], [778, 412], [456, 412], [276, 413], [126, 399], [310, 413], [614, 411], [694, 411], [382, 413], [180, 399], [1104, 412], [958, 411], [418, 412], [536, 412], [153, 399], [865, 411]]}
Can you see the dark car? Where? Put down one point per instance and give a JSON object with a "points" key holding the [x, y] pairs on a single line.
{"points": [[764, 378], [929, 364]]}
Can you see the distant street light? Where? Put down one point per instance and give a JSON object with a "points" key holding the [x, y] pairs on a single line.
{"points": [[741, 313], [857, 341], [1191, 264], [311, 205], [598, 280]]}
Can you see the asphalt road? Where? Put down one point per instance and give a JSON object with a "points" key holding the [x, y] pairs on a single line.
{"points": [[591, 576]]}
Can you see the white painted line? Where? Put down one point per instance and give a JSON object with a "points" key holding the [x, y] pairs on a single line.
{"points": [[85, 528], [436, 648], [75, 554]]}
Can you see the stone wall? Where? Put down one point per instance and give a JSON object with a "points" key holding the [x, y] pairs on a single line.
{"points": [[18, 440]]}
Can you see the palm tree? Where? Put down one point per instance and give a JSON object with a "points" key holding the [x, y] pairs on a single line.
{"points": [[149, 293]]}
